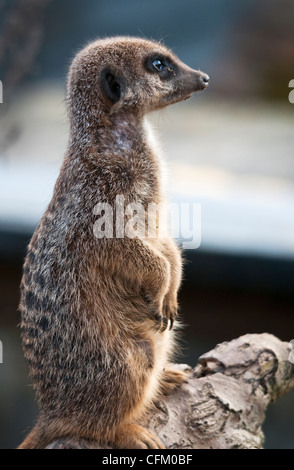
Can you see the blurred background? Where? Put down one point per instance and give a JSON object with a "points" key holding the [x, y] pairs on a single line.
{"points": [[230, 149]]}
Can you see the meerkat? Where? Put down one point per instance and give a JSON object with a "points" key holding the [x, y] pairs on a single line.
{"points": [[97, 313]]}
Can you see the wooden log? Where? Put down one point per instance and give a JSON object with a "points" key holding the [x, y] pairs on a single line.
{"points": [[224, 402]]}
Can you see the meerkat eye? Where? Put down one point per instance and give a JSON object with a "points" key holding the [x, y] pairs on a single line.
{"points": [[163, 66], [158, 64]]}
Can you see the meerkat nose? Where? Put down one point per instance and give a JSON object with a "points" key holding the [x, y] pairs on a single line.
{"points": [[205, 79]]}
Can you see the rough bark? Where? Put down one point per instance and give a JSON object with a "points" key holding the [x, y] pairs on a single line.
{"points": [[223, 405]]}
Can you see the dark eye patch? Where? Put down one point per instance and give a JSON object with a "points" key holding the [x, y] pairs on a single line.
{"points": [[161, 65]]}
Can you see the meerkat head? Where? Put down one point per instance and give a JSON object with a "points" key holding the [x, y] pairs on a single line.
{"points": [[125, 74]]}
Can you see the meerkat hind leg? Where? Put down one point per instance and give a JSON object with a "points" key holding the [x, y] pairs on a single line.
{"points": [[134, 436], [172, 380]]}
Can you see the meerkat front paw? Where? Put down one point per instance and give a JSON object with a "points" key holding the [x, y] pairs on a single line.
{"points": [[163, 312]]}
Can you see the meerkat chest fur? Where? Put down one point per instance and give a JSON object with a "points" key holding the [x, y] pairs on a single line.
{"points": [[129, 152]]}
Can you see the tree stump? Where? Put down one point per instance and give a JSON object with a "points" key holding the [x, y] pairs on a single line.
{"points": [[223, 404]]}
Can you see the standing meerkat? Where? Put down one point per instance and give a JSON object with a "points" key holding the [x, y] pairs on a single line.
{"points": [[97, 313]]}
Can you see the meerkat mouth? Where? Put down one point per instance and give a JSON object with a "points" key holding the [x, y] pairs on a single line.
{"points": [[179, 98]]}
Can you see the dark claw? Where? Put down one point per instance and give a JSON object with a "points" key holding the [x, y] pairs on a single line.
{"points": [[164, 324], [172, 318]]}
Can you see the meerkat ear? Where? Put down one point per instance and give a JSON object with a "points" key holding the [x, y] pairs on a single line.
{"points": [[111, 85]]}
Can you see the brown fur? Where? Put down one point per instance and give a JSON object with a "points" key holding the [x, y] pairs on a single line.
{"points": [[96, 312]]}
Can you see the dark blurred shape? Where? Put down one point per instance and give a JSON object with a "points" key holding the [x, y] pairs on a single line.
{"points": [[21, 37], [259, 61], [269, 46], [21, 40]]}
